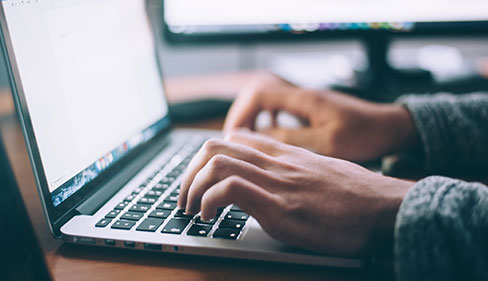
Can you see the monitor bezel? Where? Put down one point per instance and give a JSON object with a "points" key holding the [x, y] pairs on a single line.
{"points": [[56, 216], [421, 29]]}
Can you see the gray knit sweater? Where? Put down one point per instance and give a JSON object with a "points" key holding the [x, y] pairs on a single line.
{"points": [[441, 232]]}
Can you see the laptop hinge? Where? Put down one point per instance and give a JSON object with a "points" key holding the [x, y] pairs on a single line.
{"points": [[94, 202]]}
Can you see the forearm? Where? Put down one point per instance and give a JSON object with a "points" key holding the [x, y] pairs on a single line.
{"points": [[441, 231]]}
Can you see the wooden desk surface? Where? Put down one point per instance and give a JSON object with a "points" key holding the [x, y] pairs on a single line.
{"points": [[77, 262]]}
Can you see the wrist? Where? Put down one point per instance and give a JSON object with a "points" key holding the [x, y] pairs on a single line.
{"points": [[398, 128], [392, 192]]}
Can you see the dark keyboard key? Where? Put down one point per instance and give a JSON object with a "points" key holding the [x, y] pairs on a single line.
{"points": [[199, 230], [160, 214], [112, 214], [121, 205], [103, 222], [167, 206], [175, 194], [220, 211], [153, 194], [235, 215], [181, 214], [166, 180], [173, 199], [137, 191], [173, 174], [129, 198], [176, 226], [226, 233], [234, 224], [147, 200], [235, 208], [125, 225], [140, 208], [211, 221], [133, 216], [160, 186], [150, 224]]}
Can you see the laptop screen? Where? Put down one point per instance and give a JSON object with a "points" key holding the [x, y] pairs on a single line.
{"points": [[91, 83]]}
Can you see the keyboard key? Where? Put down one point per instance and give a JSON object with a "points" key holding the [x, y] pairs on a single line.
{"points": [[199, 230], [121, 205], [103, 222], [123, 224], [137, 190], [212, 221], [160, 187], [140, 208], [167, 206], [147, 200], [129, 198], [173, 199], [235, 215], [150, 224], [132, 216], [153, 194], [168, 181], [176, 226], [235, 208], [112, 214], [226, 233], [234, 224], [160, 214], [181, 214]]}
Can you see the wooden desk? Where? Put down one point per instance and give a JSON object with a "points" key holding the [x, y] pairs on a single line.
{"points": [[77, 262]]}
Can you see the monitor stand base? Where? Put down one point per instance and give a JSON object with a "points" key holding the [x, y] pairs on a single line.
{"points": [[380, 81]]}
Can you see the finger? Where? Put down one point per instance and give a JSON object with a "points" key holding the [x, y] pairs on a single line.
{"points": [[247, 106], [255, 140], [217, 169], [306, 138], [248, 196], [215, 147]]}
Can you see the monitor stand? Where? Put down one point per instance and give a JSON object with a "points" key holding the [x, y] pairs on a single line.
{"points": [[380, 81]]}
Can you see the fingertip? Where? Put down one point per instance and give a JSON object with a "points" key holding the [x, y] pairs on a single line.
{"points": [[208, 215]]}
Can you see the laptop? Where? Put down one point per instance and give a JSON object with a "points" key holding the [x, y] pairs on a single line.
{"points": [[21, 257], [86, 80]]}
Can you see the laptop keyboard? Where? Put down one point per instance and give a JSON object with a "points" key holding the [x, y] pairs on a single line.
{"points": [[151, 207]]}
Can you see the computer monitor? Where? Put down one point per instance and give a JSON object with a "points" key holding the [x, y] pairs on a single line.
{"points": [[374, 22]]}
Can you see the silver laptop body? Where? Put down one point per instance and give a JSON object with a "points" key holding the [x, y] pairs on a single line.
{"points": [[85, 77]]}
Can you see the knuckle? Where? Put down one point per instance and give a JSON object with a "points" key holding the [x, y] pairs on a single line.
{"points": [[218, 162], [212, 145], [232, 185]]}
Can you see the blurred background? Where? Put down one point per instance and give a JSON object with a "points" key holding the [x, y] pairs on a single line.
{"points": [[453, 54]]}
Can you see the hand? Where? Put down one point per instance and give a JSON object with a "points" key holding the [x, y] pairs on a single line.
{"points": [[337, 125], [299, 197]]}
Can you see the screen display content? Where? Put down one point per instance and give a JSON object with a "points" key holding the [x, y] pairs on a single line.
{"points": [[91, 83]]}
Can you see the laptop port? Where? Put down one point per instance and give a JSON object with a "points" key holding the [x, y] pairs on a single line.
{"points": [[109, 242], [85, 240], [129, 244], [154, 247]]}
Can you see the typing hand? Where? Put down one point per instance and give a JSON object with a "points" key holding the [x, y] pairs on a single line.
{"points": [[299, 197], [336, 124]]}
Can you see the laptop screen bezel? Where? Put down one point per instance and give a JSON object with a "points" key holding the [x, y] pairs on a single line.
{"points": [[67, 207]]}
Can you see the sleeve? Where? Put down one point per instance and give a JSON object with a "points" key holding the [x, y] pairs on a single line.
{"points": [[441, 231], [453, 130]]}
